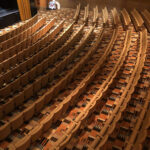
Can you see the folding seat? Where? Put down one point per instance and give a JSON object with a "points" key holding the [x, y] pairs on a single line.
{"points": [[28, 92], [39, 104], [1, 112], [23, 143], [39, 69], [5, 92], [16, 72], [45, 64], [35, 59], [18, 47], [36, 133], [6, 65], [17, 121], [26, 53], [16, 85], [1, 56], [12, 51], [13, 61], [9, 106], [47, 122], [8, 77], [1, 67], [44, 80], [29, 112], [51, 75], [32, 74], [5, 55], [45, 52], [57, 113], [5, 130], [24, 80], [51, 60], [4, 45], [23, 67], [41, 56], [29, 63], [56, 70], [19, 99], [37, 86], [31, 51]]}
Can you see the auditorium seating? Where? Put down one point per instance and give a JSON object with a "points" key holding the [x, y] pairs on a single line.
{"points": [[76, 79]]}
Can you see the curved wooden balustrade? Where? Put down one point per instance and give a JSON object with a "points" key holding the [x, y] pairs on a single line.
{"points": [[13, 32], [137, 20], [116, 17], [105, 15], [76, 16], [125, 18], [146, 16]]}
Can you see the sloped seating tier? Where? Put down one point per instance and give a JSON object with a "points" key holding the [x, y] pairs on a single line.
{"points": [[74, 71], [125, 18], [146, 16], [56, 113], [18, 30], [95, 101], [105, 15], [26, 59], [21, 49], [137, 20], [8, 53], [82, 86], [78, 85], [100, 116], [116, 17], [55, 71], [126, 94], [23, 35], [45, 58]]}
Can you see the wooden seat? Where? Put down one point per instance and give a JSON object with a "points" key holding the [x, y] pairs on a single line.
{"points": [[24, 79], [29, 112], [37, 86], [9, 106], [28, 92], [23, 143], [17, 121], [36, 133], [19, 99], [5, 131], [39, 104]]}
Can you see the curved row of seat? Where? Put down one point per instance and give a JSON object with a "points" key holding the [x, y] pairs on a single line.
{"points": [[25, 60], [12, 41], [42, 57], [82, 86], [18, 30], [60, 67], [96, 99], [61, 85], [23, 47], [126, 95], [68, 93], [23, 35]]}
